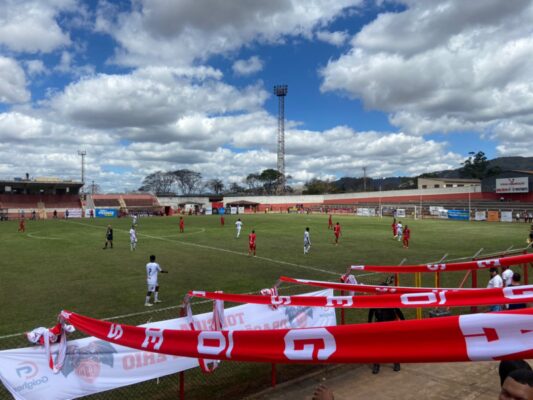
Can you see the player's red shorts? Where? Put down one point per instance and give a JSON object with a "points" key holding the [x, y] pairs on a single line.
{"points": [[251, 246]]}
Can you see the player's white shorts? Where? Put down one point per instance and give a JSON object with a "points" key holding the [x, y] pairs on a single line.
{"points": [[151, 287]]}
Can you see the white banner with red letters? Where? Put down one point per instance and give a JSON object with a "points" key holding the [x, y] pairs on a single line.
{"points": [[460, 266], [505, 335], [93, 365], [433, 298]]}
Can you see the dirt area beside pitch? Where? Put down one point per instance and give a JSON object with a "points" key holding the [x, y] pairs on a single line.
{"points": [[465, 381]]}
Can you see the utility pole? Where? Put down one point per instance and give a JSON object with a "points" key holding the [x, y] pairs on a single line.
{"points": [[364, 179]]}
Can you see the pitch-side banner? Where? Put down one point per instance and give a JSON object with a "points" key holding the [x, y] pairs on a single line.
{"points": [[376, 289], [93, 365], [507, 335], [435, 298], [462, 266]]}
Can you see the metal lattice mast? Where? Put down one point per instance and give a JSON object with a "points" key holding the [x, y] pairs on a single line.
{"points": [[82, 153], [281, 92]]}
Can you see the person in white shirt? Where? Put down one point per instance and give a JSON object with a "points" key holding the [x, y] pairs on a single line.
{"points": [[238, 226], [507, 276], [307, 241], [133, 239], [152, 269], [399, 231], [134, 220], [495, 281]]}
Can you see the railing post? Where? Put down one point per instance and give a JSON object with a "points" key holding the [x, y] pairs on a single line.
{"points": [[273, 375], [473, 309]]}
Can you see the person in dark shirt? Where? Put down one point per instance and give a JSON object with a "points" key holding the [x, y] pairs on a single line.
{"points": [[108, 237], [383, 315], [516, 282]]}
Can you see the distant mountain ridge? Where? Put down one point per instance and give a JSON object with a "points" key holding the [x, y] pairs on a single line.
{"points": [[504, 163], [349, 184]]}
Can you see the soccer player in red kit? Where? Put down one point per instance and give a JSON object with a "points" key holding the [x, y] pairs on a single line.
{"points": [[182, 225], [222, 220], [337, 232], [251, 243], [22, 225], [406, 236], [330, 223], [394, 228]]}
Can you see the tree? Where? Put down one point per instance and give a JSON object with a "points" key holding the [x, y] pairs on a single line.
{"points": [[235, 188], [216, 185], [270, 179], [318, 186], [158, 182], [253, 181], [188, 181], [477, 166]]}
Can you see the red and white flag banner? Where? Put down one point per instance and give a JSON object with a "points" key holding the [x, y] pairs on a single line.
{"points": [[506, 335], [376, 289], [434, 298], [461, 266]]}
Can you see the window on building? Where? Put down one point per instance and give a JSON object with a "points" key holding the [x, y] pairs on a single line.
{"points": [[424, 186], [436, 186]]}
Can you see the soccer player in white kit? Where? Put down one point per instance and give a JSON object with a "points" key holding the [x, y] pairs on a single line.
{"points": [[399, 231], [307, 241], [238, 225], [133, 239], [152, 269]]}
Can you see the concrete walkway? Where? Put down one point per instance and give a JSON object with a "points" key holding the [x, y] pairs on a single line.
{"points": [[465, 381]]}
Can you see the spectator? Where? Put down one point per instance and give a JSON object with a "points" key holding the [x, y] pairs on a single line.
{"points": [[508, 366], [516, 282], [495, 282], [518, 385]]}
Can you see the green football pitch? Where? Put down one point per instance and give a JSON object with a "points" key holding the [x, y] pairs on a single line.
{"points": [[58, 264]]}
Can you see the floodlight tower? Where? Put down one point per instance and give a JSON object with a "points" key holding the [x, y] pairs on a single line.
{"points": [[281, 92], [82, 153]]}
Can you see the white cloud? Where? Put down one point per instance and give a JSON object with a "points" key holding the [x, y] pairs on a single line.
{"points": [[35, 67], [31, 26], [12, 82], [196, 29], [442, 66], [337, 38], [151, 97], [248, 67]]}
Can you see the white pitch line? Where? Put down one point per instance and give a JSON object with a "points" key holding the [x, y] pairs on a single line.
{"points": [[202, 230], [34, 236]]}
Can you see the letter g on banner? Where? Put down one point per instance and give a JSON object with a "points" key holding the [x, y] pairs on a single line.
{"points": [[309, 344]]}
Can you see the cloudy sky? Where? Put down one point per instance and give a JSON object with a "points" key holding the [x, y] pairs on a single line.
{"points": [[400, 87]]}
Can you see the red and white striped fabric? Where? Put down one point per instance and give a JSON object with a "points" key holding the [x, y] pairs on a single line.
{"points": [[494, 336], [376, 289], [217, 324], [462, 266], [434, 298]]}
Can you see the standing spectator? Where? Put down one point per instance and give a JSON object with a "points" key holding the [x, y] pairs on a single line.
{"points": [[516, 281], [33, 216], [108, 237], [55, 214], [495, 282], [307, 241], [337, 233], [66, 214], [238, 227], [251, 243], [182, 225], [507, 276], [152, 269], [394, 228], [222, 219], [406, 236], [383, 315]]}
